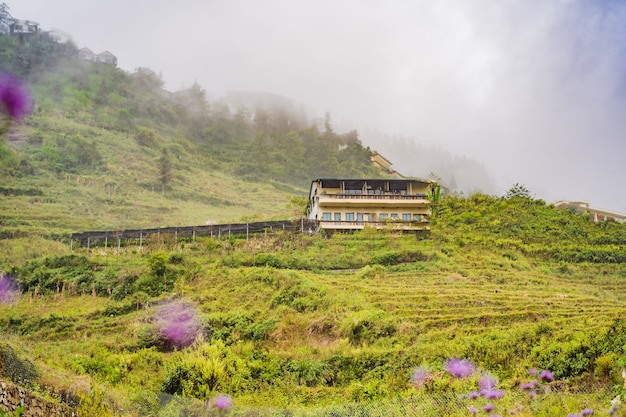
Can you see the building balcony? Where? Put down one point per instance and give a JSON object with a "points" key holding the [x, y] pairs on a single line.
{"points": [[357, 225], [374, 200]]}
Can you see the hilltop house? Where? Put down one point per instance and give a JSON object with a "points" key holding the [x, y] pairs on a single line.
{"points": [[15, 27], [105, 57], [597, 214], [384, 165], [352, 204]]}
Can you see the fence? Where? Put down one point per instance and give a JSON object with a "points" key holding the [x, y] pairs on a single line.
{"points": [[96, 238], [420, 404]]}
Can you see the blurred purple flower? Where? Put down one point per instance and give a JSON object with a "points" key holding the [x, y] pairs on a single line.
{"points": [[473, 395], [9, 292], [527, 386], [487, 382], [420, 376], [15, 99], [492, 394], [573, 415], [532, 371], [613, 410], [460, 368], [546, 375], [488, 408], [587, 412], [473, 409], [178, 323], [223, 402]]}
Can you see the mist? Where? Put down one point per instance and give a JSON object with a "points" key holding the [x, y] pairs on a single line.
{"points": [[530, 92]]}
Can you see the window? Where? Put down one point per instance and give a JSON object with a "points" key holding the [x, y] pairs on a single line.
{"points": [[359, 217], [394, 216], [417, 217], [383, 216], [337, 217], [406, 217], [350, 217], [326, 216], [369, 217]]}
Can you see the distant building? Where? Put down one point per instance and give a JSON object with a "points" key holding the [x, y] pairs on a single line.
{"points": [[15, 27], [384, 165], [105, 57], [597, 214], [352, 204]]}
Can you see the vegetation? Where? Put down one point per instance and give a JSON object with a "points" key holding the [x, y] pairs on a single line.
{"points": [[288, 320]]}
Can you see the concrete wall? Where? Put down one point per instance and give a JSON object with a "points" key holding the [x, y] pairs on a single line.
{"points": [[12, 396]]}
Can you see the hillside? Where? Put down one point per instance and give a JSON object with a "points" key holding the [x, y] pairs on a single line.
{"points": [[292, 321], [105, 149]]}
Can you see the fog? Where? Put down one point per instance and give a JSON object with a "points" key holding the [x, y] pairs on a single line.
{"points": [[533, 91]]}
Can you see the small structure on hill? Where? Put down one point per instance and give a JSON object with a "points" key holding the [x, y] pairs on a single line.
{"points": [[597, 214], [15, 27], [353, 204], [105, 57]]}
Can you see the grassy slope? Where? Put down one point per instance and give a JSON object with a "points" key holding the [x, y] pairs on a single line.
{"points": [[337, 325]]}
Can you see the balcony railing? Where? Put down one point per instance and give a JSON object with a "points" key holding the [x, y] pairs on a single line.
{"points": [[393, 223], [377, 196]]}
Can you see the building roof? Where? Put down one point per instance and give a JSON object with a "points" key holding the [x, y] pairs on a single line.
{"points": [[405, 179]]}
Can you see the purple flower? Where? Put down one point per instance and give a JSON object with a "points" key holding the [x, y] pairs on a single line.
{"points": [[488, 408], [532, 371], [487, 382], [573, 415], [614, 409], [530, 385], [9, 292], [223, 402], [460, 368], [532, 394], [493, 394], [473, 395], [587, 412], [473, 409], [178, 323], [546, 375], [420, 376], [15, 99]]}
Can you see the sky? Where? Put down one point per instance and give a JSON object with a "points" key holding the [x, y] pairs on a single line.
{"points": [[535, 90]]}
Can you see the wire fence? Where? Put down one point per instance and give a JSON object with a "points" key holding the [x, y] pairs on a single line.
{"points": [[141, 236], [551, 402]]}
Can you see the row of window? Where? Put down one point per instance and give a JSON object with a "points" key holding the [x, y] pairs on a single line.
{"points": [[369, 217]]}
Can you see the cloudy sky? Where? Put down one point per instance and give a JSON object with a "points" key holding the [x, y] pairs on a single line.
{"points": [[533, 89]]}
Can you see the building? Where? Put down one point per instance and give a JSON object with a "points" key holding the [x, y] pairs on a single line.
{"points": [[596, 214], [352, 204], [105, 57], [16, 27], [384, 165]]}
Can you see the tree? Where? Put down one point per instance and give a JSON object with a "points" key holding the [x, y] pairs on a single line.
{"points": [[166, 171], [517, 191]]}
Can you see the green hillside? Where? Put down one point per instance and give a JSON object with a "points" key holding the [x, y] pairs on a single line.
{"points": [[291, 321], [284, 323], [105, 149]]}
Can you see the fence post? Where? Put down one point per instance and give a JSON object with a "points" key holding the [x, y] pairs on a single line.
{"points": [[106, 241], [119, 244], [88, 242], [140, 239], [193, 236], [247, 231]]}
